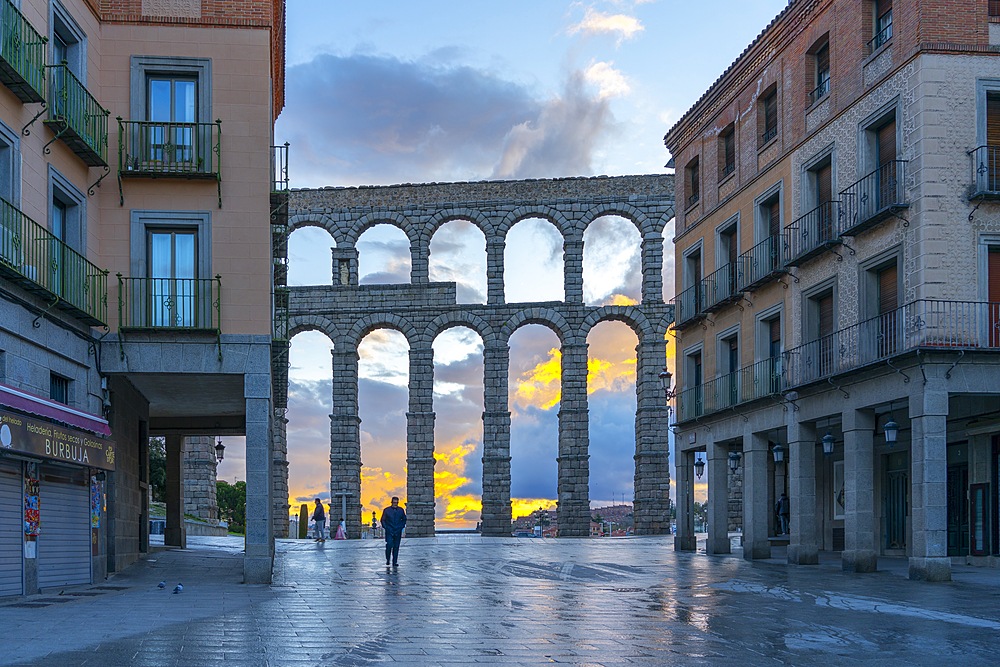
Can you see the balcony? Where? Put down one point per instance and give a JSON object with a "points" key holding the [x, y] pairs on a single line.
{"points": [[279, 168], [688, 305], [76, 117], [985, 172], [810, 234], [720, 288], [22, 55], [41, 263], [819, 92], [192, 304], [873, 198], [759, 264], [750, 383], [924, 324]]}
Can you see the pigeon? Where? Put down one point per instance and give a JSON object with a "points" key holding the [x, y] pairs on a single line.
{"points": [[162, 584], [178, 588]]}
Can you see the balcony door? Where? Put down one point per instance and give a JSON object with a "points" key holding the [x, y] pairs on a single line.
{"points": [[887, 302], [885, 161], [993, 295], [171, 109], [989, 162], [173, 294]]}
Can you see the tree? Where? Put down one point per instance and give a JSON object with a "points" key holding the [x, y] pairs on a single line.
{"points": [[158, 468], [232, 500]]}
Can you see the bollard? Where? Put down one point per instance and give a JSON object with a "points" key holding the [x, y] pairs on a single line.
{"points": [[303, 521]]}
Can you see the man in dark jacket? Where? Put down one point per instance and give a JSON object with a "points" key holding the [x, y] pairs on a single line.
{"points": [[319, 516], [393, 521]]}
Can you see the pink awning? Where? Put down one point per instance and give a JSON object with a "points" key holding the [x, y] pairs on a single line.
{"points": [[43, 407]]}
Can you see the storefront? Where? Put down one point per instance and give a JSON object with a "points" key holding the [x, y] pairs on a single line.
{"points": [[53, 465]]}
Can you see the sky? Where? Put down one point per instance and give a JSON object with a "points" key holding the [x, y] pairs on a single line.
{"points": [[404, 91]]}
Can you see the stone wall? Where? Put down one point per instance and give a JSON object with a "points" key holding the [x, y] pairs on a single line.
{"points": [[199, 475]]}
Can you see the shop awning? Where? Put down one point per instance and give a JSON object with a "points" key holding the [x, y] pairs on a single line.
{"points": [[43, 407]]}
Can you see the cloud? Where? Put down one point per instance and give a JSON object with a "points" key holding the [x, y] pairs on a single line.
{"points": [[609, 81], [363, 119], [598, 23]]}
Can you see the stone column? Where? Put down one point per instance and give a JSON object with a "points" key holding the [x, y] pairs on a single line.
{"points": [[860, 553], [419, 275], [200, 466], [574, 444], [496, 516], [279, 467], [757, 506], [685, 539], [174, 534], [573, 268], [494, 270], [420, 445], [652, 268], [345, 439], [929, 559], [718, 497], [652, 444], [803, 544], [259, 542]]}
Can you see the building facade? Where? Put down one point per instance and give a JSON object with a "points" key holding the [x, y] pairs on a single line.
{"points": [[135, 183], [838, 273]]}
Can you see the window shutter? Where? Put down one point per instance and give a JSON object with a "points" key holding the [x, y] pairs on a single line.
{"points": [[887, 142], [771, 112], [993, 120], [888, 297], [774, 330], [825, 304], [824, 184], [822, 64], [774, 217], [994, 276], [881, 7]]}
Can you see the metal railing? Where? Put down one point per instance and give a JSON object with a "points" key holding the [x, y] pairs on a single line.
{"points": [[720, 287], [810, 233], [279, 168], [689, 304], [22, 55], [759, 263], [169, 149], [170, 303], [768, 135], [76, 116], [880, 38], [693, 199], [31, 255], [873, 197], [727, 169], [819, 92], [750, 383], [919, 324], [985, 170]]}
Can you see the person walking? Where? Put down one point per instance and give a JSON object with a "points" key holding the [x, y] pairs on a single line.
{"points": [[393, 521], [319, 516], [784, 510]]}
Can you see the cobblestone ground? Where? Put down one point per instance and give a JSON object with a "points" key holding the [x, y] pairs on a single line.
{"points": [[466, 600]]}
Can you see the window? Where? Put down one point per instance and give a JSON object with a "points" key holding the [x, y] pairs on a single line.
{"points": [[818, 223], [67, 226], [819, 327], [882, 28], [880, 334], [728, 364], [769, 348], [172, 107], [58, 388], [727, 151], [68, 43], [692, 183], [820, 55], [994, 7], [693, 403], [767, 116], [769, 216], [727, 252]]}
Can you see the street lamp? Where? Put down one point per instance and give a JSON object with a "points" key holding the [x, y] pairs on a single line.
{"points": [[779, 453], [734, 461], [827, 444], [699, 465], [219, 449], [666, 380]]}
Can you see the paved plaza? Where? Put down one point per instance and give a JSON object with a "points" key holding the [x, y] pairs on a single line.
{"points": [[466, 600]]}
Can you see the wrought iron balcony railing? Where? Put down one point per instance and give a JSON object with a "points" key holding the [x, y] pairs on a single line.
{"points": [[873, 198], [693, 199], [22, 55], [819, 92], [965, 325], [750, 383], [186, 150], [720, 288], [810, 234], [985, 172], [689, 304], [170, 303], [759, 264], [768, 135], [880, 38], [76, 117], [38, 261], [279, 168]]}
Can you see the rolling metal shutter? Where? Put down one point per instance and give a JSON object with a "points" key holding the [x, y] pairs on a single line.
{"points": [[64, 542], [10, 528]]}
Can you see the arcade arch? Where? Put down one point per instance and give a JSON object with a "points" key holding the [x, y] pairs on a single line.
{"points": [[309, 251], [612, 262], [383, 255], [533, 262], [458, 254]]}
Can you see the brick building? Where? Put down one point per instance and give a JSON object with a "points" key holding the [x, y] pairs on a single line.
{"points": [[838, 273], [136, 180]]}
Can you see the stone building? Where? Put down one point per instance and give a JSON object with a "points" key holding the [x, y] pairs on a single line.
{"points": [[136, 176], [838, 275]]}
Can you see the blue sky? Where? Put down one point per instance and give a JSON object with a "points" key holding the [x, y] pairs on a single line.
{"points": [[392, 92]]}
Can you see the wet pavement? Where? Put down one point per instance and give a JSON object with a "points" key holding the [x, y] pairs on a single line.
{"points": [[466, 600]]}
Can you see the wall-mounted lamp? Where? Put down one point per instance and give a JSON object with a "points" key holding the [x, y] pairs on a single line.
{"points": [[666, 382], [778, 452], [734, 461], [219, 449], [699, 465], [827, 444]]}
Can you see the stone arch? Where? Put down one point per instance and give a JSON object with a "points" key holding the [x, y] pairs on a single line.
{"points": [[630, 315], [553, 215], [366, 222], [547, 317], [450, 320], [301, 323], [439, 219], [370, 323], [622, 210], [310, 219]]}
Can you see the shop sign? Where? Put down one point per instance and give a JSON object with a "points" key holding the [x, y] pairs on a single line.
{"points": [[45, 439]]}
